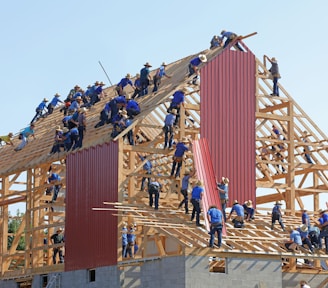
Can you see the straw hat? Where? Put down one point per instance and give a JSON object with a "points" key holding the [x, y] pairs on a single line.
{"points": [[82, 110], [147, 64], [45, 100], [202, 58], [235, 202], [249, 203], [128, 76], [304, 228], [278, 203], [164, 64], [320, 211], [57, 95], [225, 180], [185, 140], [137, 75], [273, 59], [65, 130], [199, 183], [174, 111]]}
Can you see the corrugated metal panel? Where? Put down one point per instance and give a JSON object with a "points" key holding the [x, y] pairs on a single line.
{"points": [[228, 87], [205, 172], [91, 237]]}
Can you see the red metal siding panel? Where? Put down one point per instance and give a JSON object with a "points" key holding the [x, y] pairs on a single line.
{"points": [[205, 172], [91, 236], [228, 119]]}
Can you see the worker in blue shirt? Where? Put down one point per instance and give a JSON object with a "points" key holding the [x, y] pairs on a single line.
{"points": [[304, 232], [123, 83], [277, 215], [24, 135], [230, 36], [132, 107], [147, 170], [169, 128], [131, 237], [239, 210], [294, 239], [124, 240], [160, 73], [215, 218], [178, 101], [53, 103], [145, 79], [194, 67], [181, 148], [137, 87], [184, 189], [196, 196], [154, 188], [39, 110], [306, 218], [54, 178], [224, 195]]}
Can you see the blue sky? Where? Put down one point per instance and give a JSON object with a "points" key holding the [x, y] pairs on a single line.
{"points": [[50, 46]]}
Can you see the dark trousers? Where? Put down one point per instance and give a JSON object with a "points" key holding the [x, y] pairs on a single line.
{"points": [[58, 251], [184, 201], [144, 87], [157, 82], [178, 166], [196, 211], [215, 228], [81, 136], [169, 134], [152, 195], [277, 217]]}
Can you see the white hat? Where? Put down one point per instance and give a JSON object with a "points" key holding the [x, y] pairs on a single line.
{"points": [[202, 57]]}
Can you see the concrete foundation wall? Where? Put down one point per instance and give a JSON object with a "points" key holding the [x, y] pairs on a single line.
{"points": [[246, 273], [183, 272]]}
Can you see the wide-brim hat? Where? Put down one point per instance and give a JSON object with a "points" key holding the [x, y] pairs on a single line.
{"points": [[304, 228], [164, 64], [278, 203], [185, 140], [174, 111], [235, 202], [78, 98], [57, 95], [199, 183], [137, 75], [59, 230], [249, 203], [82, 110], [202, 58], [65, 130], [59, 130], [102, 83], [45, 100], [128, 75], [147, 64], [225, 180], [273, 59], [320, 211]]}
